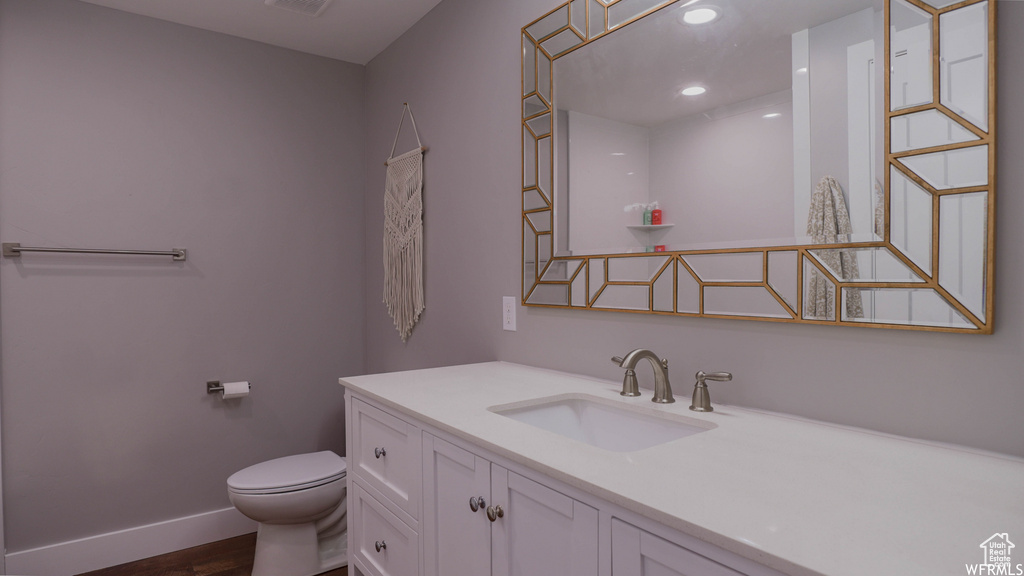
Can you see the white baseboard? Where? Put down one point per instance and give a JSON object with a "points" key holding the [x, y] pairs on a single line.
{"points": [[111, 549]]}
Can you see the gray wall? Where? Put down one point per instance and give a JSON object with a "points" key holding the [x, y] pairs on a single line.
{"points": [[122, 131], [459, 68]]}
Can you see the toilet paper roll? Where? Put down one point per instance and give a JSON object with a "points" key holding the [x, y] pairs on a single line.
{"points": [[235, 390]]}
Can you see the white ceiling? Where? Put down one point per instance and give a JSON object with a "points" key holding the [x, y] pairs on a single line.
{"points": [[636, 74], [350, 30]]}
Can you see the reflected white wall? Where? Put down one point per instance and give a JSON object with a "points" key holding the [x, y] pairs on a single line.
{"points": [[721, 176], [843, 86], [728, 177], [609, 168]]}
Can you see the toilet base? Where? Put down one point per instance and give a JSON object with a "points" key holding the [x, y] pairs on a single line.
{"points": [[294, 550]]}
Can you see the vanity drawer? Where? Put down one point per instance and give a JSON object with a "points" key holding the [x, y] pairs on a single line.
{"points": [[383, 544], [386, 456]]}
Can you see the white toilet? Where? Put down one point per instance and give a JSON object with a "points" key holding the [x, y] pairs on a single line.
{"points": [[299, 502]]}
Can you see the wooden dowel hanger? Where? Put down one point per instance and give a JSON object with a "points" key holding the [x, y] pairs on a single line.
{"points": [[422, 149]]}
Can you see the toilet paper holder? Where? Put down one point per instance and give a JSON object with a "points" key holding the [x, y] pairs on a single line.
{"points": [[214, 386]]}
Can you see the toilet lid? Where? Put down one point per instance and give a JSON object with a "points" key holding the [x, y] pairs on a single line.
{"points": [[289, 473]]}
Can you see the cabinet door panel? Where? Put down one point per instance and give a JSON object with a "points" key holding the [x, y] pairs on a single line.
{"points": [[542, 531], [639, 553], [457, 540]]}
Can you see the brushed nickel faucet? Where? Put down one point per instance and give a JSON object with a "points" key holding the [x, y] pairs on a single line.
{"points": [[662, 387], [701, 398]]}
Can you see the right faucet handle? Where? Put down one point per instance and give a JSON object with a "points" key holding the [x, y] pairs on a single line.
{"points": [[716, 376], [701, 397]]}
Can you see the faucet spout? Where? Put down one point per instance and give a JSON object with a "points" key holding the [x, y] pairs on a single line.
{"points": [[662, 387]]}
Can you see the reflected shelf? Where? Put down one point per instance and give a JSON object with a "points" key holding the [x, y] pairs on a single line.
{"points": [[650, 227]]}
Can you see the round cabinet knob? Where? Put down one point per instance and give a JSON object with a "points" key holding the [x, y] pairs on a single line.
{"points": [[380, 452], [380, 545], [495, 512], [476, 503]]}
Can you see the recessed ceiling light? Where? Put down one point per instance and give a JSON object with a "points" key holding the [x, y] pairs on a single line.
{"points": [[308, 7], [801, 70], [694, 91], [772, 115], [700, 15]]}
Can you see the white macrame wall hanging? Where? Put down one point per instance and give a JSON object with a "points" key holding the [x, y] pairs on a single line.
{"points": [[403, 233]]}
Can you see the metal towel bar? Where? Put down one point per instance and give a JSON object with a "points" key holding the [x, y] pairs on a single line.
{"points": [[14, 250]]}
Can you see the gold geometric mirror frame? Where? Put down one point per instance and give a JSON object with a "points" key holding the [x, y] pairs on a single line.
{"points": [[935, 271]]}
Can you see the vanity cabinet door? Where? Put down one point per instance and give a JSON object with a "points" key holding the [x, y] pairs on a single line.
{"points": [[639, 553], [456, 540], [541, 531]]}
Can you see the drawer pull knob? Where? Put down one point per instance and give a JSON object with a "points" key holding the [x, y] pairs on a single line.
{"points": [[476, 503], [495, 512], [380, 545], [380, 452]]}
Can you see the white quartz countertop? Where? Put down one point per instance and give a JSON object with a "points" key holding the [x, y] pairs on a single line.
{"points": [[799, 496]]}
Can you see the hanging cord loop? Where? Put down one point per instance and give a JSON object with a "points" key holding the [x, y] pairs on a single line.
{"points": [[405, 108]]}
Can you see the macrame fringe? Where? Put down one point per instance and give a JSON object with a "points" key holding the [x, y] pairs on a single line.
{"points": [[403, 243], [403, 268]]}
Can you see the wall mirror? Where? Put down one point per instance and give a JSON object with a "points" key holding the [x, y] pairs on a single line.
{"points": [[811, 162]]}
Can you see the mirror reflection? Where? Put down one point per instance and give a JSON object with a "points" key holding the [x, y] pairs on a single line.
{"points": [[795, 160], [783, 97]]}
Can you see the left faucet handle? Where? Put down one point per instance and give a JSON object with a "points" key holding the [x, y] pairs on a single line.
{"points": [[617, 360]]}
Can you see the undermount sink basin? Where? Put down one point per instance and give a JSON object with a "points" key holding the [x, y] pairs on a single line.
{"points": [[602, 423]]}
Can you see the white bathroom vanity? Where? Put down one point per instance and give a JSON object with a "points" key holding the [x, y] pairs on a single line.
{"points": [[447, 478]]}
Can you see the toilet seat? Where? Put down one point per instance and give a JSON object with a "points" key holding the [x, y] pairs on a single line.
{"points": [[289, 474]]}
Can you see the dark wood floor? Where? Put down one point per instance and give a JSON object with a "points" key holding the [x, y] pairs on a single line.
{"points": [[231, 557]]}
